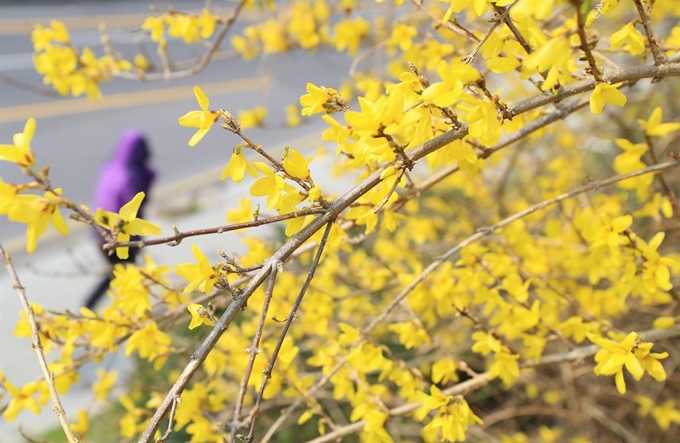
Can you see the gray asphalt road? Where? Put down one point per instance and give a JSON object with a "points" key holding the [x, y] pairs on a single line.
{"points": [[76, 143]]}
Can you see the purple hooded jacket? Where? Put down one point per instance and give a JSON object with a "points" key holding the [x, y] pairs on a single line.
{"points": [[126, 174]]}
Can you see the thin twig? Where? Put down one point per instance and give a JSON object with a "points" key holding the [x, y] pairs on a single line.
{"points": [[38, 347], [468, 59], [28, 86], [181, 235], [581, 30], [201, 65], [254, 350], [165, 437], [659, 56], [511, 26], [454, 27], [286, 326], [629, 74], [384, 201]]}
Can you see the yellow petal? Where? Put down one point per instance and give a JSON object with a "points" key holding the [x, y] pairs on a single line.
{"points": [[143, 227], [620, 224], [201, 98], [620, 383], [123, 252], [197, 137], [129, 210], [192, 119]]}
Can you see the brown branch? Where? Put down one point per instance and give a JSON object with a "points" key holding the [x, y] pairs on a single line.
{"points": [[451, 26], [503, 16], [531, 410], [659, 56], [165, 437], [231, 125], [384, 201], [181, 235], [254, 350], [581, 30], [38, 347], [28, 86], [502, 12], [201, 65], [629, 74], [286, 326], [512, 138]]}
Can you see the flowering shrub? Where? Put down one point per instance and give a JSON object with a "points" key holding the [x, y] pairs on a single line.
{"points": [[458, 284]]}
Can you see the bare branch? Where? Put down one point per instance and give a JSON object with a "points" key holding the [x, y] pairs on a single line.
{"points": [[37, 347], [200, 66], [286, 326], [585, 45], [181, 235], [165, 437], [659, 56], [253, 350]]}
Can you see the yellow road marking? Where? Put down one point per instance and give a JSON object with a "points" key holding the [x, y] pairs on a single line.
{"points": [[88, 22], [127, 99]]}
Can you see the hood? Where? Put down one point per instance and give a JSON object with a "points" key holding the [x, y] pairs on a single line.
{"points": [[132, 149]]}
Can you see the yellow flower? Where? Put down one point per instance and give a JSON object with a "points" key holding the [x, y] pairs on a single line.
{"points": [[650, 361], [244, 213], [654, 127], [605, 93], [147, 340], [7, 194], [20, 153], [348, 34], [296, 165], [155, 25], [199, 316], [614, 356], [125, 223], [292, 115], [207, 23], [272, 185], [252, 117], [37, 212], [104, 383], [238, 166], [631, 35], [457, 6], [505, 366], [200, 275], [141, 62], [82, 425], [202, 119], [321, 99], [655, 269], [21, 398], [448, 91], [314, 194]]}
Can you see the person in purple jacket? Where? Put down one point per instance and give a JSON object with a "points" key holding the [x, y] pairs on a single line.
{"points": [[121, 178]]}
